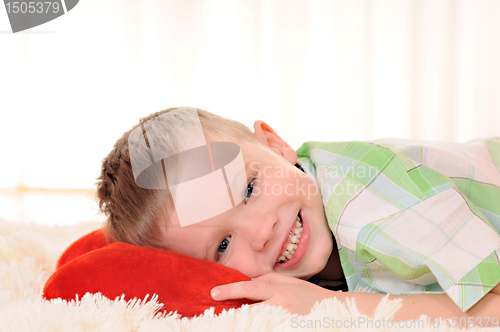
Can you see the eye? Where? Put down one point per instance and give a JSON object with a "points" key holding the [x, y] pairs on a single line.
{"points": [[248, 190], [223, 246]]}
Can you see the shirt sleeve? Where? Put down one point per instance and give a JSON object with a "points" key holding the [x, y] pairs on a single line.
{"points": [[403, 226], [440, 240]]}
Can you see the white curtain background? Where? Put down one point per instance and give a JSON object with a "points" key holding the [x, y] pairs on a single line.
{"points": [[313, 70]]}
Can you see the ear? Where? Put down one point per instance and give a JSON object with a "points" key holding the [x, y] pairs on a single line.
{"points": [[268, 137]]}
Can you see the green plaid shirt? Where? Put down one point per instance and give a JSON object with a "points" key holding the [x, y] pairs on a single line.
{"points": [[412, 217]]}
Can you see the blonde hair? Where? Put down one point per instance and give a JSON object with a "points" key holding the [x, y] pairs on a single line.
{"points": [[133, 213]]}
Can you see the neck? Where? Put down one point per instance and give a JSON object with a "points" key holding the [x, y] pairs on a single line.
{"points": [[333, 269]]}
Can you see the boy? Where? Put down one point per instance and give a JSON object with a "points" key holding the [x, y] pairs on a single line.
{"points": [[400, 226]]}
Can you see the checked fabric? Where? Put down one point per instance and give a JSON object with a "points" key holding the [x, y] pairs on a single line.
{"points": [[412, 217]]}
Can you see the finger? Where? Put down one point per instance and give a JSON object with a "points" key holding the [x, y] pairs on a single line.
{"points": [[253, 305], [252, 290], [275, 278]]}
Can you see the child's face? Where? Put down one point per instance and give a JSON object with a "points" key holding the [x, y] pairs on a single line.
{"points": [[252, 236]]}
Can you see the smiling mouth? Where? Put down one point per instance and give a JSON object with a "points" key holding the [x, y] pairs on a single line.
{"points": [[292, 242]]}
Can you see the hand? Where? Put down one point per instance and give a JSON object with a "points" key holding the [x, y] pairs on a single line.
{"points": [[295, 295]]}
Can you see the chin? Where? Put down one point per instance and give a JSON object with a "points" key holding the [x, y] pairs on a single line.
{"points": [[307, 277], [311, 271], [321, 264]]}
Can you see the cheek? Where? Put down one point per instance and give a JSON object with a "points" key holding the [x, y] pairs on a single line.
{"points": [[248, 269], [325, 247], [287, 189], [245, 263]]}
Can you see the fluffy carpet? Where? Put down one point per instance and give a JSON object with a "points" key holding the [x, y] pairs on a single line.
{"points": [[28, 255]]}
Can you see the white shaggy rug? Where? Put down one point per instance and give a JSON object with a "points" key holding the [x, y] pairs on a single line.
{"points": [[28, 255]]}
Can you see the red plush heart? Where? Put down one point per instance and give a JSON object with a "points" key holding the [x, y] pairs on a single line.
{"points": [[92, 241], [181, 282]]}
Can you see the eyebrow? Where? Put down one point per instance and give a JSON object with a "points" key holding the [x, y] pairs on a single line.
{"points": [[248, 164]]}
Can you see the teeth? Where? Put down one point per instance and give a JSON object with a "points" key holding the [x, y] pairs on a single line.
{"points": [[294, 240]]}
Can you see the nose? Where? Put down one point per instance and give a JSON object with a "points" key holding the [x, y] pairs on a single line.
{"points": [[261, 230]]}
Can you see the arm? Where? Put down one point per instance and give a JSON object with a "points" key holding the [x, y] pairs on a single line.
{"points": [[432, 305], [279, 290]]}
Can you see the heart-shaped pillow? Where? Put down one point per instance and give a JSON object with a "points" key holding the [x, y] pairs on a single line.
{"points": [[181, 282]]}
